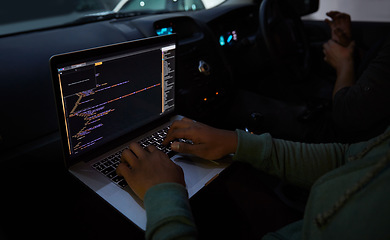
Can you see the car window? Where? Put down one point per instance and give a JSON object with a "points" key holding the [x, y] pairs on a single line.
{"points": [[165, 6], [360, 10], [212, 3], [16, 16]]}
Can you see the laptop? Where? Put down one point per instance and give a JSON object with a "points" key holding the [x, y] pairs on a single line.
{"points": [[111, 95]]}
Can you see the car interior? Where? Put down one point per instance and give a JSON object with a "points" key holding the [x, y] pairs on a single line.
{"points": [[255, 65]]}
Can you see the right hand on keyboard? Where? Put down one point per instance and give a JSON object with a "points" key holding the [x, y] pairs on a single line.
{"points": [[207, 142]]}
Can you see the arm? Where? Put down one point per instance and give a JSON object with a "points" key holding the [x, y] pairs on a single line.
{"points": [[339, 49], [345, 78], [359, 105], [298, 163], [341, 59], [364, 105], [160, 183], [168, 213]]}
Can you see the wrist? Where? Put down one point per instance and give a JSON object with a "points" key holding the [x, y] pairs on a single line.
{"points": [[345, 66], [232, 142], [345, 78]]}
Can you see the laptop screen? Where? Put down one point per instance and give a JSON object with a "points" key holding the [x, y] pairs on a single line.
{"points": [[115, 92]]}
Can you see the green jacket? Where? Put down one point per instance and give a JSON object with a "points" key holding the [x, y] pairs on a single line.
{"points": [[349, 197]]}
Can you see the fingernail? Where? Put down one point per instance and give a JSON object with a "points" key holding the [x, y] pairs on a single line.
{"points": [[175, 146]]}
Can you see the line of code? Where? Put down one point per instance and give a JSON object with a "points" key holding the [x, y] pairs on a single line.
{"points": [[104, 100]]}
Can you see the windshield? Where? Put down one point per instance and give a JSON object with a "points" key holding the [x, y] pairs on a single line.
{"points": [[20, 16]]}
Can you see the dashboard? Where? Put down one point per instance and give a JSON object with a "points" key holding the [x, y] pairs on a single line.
{"points": [[208, 43], [236, 28]]}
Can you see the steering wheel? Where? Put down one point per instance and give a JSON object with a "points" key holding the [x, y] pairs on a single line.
{"points": [[282, 31]]}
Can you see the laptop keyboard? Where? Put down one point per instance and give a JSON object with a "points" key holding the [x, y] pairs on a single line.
{"points": [[108, 165]]}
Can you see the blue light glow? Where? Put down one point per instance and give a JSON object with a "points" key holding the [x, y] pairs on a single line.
{"points": [[229, 38], [221, 41], [164, 31]]}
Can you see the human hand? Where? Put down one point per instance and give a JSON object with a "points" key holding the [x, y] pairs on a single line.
{"points": [[337, 56], [340, 25], [208, 142], [145, 168]]}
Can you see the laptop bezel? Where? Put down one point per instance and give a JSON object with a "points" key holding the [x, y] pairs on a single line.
{"points": [[59, 60]]}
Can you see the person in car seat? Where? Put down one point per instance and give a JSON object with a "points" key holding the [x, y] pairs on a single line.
{"points": [[349, 196], [361, 91], [360, 95]]}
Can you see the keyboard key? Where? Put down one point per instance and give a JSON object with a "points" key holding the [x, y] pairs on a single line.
{"points": [[106, 171], [117, 179], [96, 165], [100, 167], [108, 163], [122, 183], [112, 174]]}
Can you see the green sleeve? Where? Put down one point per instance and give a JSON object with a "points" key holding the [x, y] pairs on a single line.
{"points": [[168, 213], [297, 163]]}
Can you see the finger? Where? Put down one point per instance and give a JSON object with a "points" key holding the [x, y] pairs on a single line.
{"points": [[151, 148], [325, 47], [180, 124], [127, 173], [343, 16], [123, 169], [337, 16], [343, 38], [324, 50], [352, 44], [332, 14], [177, 134], [129, 158], [137, 149], [182, 147], [332, 43]]}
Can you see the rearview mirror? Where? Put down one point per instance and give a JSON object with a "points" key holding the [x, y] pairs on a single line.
{"points": [[304, 7]]}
